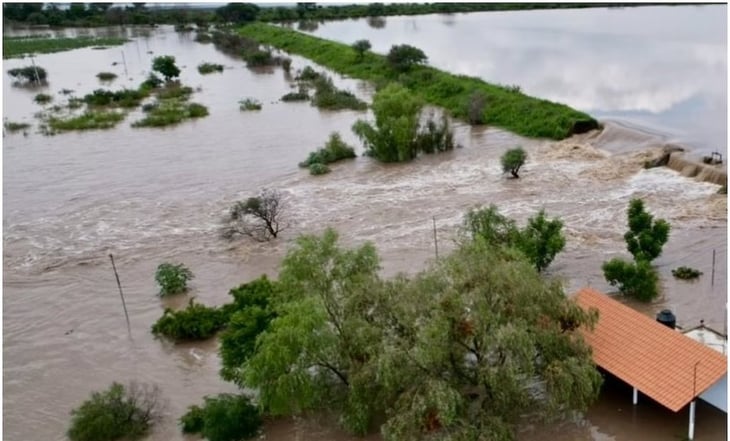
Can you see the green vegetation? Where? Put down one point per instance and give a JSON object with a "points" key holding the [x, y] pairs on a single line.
{"points": [[225, 417], [125, 98], [117, 413], [512, 160], [174, 90], [208, 68], [636, 279], [644, 240], [540, 241], [165, 65], [89, 120], [249, 104], [195, 322], [13, 127], [43, 98], [510, 110], [335, 149], [397, 135], [17, 47], [686, 273], [173, 279], [327, 96], [458, 351], [300, 95], [169, 112], [645, 237], [106, 76], [29, 74], [403, 57], [360, 47]]}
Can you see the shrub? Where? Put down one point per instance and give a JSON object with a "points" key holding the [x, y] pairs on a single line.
{"points": [[296, 96], [152, 82], [173, 279], [106, 76], [225, 417], [258, 57], [165, 65], [512, 160], [403, 57], [308, 74], [193, 420], [170, 112], [360, 47], [29, 74], [686, 273], [207, 68], [196, 110], [318, 168], [195, 322], [435, 137], [327, 96], [174, 90], [635, 279], [335, 149], [249, 104], [43, 98], [286, 65], [88, 121], [15, 127], [126, 98], [117, 413]]}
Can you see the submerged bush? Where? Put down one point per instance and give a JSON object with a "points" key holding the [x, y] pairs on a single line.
{"points": [[301, 95], [308, 74], [335, 149], [686, 273], [43, 98], [120, 412], [249, 104], [207, 68], [15, 127], [327, 96], [635, 279], [512, 160], [318, 169], [90, 120], [173, 279], [106, 76], [195, 322], [435, 137], [126, 98], [29, 74], [170, 112], [174, 90], [225, 417]]}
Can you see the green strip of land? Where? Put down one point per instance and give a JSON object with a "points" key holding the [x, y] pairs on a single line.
{"points": [[16, 47], [505, 107]]}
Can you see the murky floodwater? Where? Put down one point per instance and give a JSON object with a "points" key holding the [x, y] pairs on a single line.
{"points": [[149, 195]]}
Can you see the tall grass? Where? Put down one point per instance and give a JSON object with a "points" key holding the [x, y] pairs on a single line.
{"points": [[506, 107]]}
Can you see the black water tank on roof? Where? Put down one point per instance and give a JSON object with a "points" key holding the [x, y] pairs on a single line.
{"points": [[667, 319]]}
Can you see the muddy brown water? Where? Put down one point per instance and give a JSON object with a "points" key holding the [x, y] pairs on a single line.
{"points": [[153, 195]]}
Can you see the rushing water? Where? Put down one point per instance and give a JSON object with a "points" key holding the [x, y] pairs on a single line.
{"points": [[150, 195]]}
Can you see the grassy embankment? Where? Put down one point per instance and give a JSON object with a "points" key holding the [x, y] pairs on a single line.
{"points": [[16, 47], [506, 108]]}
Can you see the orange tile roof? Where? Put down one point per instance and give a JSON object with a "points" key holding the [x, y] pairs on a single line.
{"points": [[649, 356]]}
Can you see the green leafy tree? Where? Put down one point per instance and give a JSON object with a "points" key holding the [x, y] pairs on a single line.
{"points": [[512, 160], [120, 412], [490, 225], [172, 278], [312, 354], [238, 12], [478, 342], [402, 57], [393, 138], [636, 279], [645, 237], [541, 240], [225, 417], [360, 47], [165, 65]]}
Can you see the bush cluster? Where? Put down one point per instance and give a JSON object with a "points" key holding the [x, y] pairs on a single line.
{"points": [[225, 417], [106, 76], [125, 98], [172, 278], [686, 273], [249, 104], [335, 149], [208, 68], [29, 74], [195, 322]]}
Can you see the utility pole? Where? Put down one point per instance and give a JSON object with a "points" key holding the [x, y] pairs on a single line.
{"points": [[121, 294]]}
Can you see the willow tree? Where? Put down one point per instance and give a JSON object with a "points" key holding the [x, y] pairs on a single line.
{"points": [[479, 343]]}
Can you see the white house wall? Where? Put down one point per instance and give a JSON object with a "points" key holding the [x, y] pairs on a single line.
{"points": [[717, 394]]}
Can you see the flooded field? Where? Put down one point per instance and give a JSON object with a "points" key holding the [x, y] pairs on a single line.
{"points": [[153, 195]]}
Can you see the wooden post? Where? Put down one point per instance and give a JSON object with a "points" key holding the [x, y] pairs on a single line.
{"points": [[124, 60], [121, 294], [712, 279], [435, 238]]}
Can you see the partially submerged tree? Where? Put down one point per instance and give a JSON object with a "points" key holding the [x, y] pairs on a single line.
{"points": [[120, 412], [512, 160], [645, 237], [165, 65], [634, 279], [29, 74], [259, 217], [360, 47], [225, 417], [402, 57]]}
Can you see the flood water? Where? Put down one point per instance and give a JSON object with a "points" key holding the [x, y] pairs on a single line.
{"points": [[154, 195]]}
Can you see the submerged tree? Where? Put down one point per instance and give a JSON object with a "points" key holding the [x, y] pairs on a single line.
{"points": [[512, 160], [165, 65], [645, 237], [259, 217]]}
